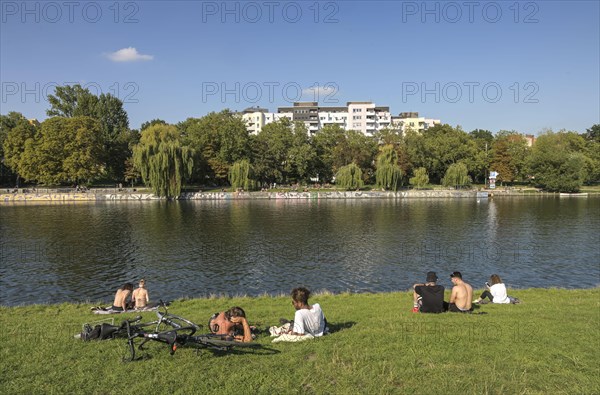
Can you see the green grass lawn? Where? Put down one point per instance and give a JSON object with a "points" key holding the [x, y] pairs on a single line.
{"points": [[549, 344]]}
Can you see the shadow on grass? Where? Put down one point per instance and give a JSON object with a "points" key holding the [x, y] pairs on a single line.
{"points": [[340, 326], [259, 350], [250, 348]]}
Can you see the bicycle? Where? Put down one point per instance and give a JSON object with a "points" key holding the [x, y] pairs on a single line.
{"points": [[176, 331], [165, 321], [173, 330]]}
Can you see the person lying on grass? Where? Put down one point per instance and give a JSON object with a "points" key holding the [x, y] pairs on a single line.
{"points": [[308, 320], [232, 323]]}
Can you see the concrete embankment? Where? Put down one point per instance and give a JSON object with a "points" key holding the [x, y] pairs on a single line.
{"points": [[137, 196]]}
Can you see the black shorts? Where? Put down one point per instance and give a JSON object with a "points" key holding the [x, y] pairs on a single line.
{"points": [[451, 307]]}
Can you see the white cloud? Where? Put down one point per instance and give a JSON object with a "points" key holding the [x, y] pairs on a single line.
{"points": [[128, 55], [328, 89]]}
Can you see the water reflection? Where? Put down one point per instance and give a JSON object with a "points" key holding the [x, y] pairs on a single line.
{"points": [[54, 253]]}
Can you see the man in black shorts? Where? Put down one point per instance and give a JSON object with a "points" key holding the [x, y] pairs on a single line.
{"points": [[428, 297]]}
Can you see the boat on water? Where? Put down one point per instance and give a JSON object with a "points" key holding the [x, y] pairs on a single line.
{"points": [[581, 194]]}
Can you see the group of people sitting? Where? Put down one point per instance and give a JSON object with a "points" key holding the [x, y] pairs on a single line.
{"points": [[139, 297], [429, 296], [309, 320]]}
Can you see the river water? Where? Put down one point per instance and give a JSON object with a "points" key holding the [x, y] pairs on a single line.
{"points": [[68, 252]]}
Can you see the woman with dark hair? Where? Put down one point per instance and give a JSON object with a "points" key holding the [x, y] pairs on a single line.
{"points": [[120, 302], [496, 291], [309, 319], [232, 323]]}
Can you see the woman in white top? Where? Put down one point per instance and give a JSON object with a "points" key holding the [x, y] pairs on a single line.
{"points": [[308, 320], [496, 291]]}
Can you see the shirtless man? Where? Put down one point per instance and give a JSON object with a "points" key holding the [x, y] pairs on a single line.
{"points": [[140, 296], [461, 296], [120, 302], [233, 323]]}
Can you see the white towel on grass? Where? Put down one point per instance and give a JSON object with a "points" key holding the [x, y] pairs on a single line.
{"points": [[292, 338]]}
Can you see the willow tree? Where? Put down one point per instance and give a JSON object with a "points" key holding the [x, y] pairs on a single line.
{"points": [[420, 179], [388, 174], [241, 175], [349, 177], [456, 176], [161, 160]]}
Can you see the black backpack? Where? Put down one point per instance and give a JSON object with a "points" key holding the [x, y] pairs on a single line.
{"points": [[98, 332]]}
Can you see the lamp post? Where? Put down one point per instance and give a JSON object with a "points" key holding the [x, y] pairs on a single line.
{"points": [[486, 166]]}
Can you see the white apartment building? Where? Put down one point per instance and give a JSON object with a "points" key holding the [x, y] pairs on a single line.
{"points": [[411, 120], [256, 118], [364, 117], [367, 118]]}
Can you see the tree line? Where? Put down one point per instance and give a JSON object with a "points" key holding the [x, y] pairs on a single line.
{"points": [[87, 140]]}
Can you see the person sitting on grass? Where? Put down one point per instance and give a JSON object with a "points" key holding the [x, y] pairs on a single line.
{"points": [[496, 292], [140, 296], [461, 296], [308, 320], [232, 323], [123, 293], [428, 297]]}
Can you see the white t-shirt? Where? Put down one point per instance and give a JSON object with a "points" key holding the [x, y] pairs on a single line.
{"points": [[498, 292], [310, 321]]}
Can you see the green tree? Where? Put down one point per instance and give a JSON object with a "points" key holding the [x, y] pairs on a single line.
{"points": [[74, 101], [282, 152], [483, 140], [388, 136], [360, 149], [131, 173], [66, 150], [593, 133], [162, 161], [592, 151], [557, 162], [300, 163], [509, 156], [153, 122], [420, 179], [456, 176], [219, 140], [349, 177], [325, 145], [439, 147], [388, 174], [241, 175], [15, 129], [336, 147]]}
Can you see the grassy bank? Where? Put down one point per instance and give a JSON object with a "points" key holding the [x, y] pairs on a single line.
{"points": [[547, 344]]}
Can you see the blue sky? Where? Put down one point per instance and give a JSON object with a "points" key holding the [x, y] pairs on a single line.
{"points": [[522, 66]]}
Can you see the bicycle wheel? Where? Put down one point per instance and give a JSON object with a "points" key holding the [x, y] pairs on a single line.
{"points": [[218, 341], [167, 322]]}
